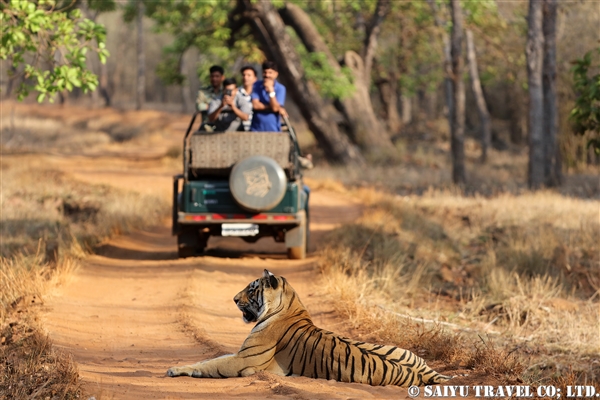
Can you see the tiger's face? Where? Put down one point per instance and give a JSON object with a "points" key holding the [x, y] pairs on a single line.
{"points": [[255, 299]]}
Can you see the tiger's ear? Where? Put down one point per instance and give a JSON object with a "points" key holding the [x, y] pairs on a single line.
{"points": [[271, 280]]}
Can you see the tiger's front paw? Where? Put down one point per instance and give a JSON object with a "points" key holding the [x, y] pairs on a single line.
{"points": [[174, 371]]}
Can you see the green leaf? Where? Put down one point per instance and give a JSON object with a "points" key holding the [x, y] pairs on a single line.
{"points": [[36, 30], [585, 114]]}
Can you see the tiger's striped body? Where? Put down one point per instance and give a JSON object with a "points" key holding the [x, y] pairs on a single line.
{"points": [[284, 341]]}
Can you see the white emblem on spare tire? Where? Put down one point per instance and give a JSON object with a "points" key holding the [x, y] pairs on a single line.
{"points": [[257, 181]]}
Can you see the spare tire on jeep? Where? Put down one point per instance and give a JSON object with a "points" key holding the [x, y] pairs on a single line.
{"points": [[257, 183]]}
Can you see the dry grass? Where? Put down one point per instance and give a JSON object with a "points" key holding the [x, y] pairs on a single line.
{"points": [[44, 210], [25, 279], [521, 270], [41, 204], [32, 369], [34, 127]]}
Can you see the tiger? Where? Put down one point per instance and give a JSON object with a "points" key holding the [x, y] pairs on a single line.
{"points": [[285, 342]]}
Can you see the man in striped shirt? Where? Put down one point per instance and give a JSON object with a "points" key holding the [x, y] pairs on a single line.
{"points": [[245, 90]]}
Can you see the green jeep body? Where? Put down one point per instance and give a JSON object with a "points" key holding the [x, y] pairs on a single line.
{"points": [[213, 197]]}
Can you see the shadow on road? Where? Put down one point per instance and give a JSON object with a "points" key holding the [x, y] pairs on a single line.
{"points": [[157, 243]]}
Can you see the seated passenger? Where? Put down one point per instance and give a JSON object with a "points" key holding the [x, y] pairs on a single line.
{"points": [[248, 79], [228, 112], [268, 97], [213, 91]]}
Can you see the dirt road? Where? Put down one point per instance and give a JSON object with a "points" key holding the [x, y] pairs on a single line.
{"points": [[133, 310]]}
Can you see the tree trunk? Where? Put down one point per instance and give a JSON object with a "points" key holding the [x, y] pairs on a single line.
{"points": [[365, 129], [186, 97], [535, 54], [458, 93], [401, 92], [552, 165], [12, 77], [370, 44], [103, 74], [63, 95], [448, 87], [141, 59], [516, 104], [368, 132], [388, 94], [124, 42], [336, 20], [406, 107], [269, 29], [103, 84], [484, 115]]}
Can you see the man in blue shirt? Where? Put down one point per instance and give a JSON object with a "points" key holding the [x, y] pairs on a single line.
{"points": [[268, 98]]}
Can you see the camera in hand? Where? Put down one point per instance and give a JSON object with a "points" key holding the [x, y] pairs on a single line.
{"points": [[228, 92]]}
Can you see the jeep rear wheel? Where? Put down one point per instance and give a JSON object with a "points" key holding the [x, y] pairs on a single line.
{"points": [[190, 243], [186, 251], [300, 248], [296, 253]]}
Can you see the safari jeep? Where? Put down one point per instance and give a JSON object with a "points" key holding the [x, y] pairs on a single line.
{"points": [[244, 184]]}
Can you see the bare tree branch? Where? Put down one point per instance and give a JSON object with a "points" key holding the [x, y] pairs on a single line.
{"points": [[370, 45]]}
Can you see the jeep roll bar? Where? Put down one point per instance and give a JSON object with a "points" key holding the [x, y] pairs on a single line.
{"points": [[185, 145], [290, 131]]}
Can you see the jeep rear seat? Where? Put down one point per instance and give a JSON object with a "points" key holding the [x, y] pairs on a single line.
{"points": [[215, 153]]}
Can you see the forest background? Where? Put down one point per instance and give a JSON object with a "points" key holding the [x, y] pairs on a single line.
{"points": [[368, 75]]}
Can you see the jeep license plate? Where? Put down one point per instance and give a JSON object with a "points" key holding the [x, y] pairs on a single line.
{"points": [[239, 229]]}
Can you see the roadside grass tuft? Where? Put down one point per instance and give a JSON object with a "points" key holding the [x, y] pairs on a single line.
{"points": [[26, 278], [492, 360], [32, 368]]}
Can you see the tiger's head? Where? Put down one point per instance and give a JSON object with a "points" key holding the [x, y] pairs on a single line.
{"points": [[260, 296]]}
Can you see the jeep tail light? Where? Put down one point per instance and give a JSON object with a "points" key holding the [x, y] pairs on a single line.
{"points": [[195, 217], [282, 217]]}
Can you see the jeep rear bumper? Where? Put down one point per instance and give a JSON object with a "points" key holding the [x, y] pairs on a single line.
{"points": [[214, 218]]}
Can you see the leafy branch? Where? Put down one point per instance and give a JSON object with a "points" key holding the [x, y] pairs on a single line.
{"points": [[586, 113], [48, 47]]}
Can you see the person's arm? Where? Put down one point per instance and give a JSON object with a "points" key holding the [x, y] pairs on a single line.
{"points": [[242, 115], [257, 105], [215, 108], [273, 105], [202, 102], [274, 102], [243, 112]]}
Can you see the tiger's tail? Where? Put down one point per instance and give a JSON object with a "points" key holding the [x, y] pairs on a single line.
{"points": [[431, 377], [439, 378]]}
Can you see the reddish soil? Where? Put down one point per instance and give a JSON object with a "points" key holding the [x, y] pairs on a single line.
{"points": [[133, 309]]}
